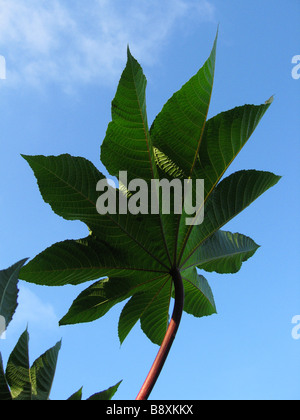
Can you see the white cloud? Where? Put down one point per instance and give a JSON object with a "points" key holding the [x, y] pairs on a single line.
{"points": [[86, 42], [32, 311]]}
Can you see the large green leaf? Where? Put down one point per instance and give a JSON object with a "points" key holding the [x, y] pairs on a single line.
{"points": [[131, 256], [9, 291]]}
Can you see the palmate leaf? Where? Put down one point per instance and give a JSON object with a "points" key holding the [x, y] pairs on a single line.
{"points": [[132, 256]]}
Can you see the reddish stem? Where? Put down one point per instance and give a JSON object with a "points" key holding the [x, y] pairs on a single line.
{"points": [[168, 339]]}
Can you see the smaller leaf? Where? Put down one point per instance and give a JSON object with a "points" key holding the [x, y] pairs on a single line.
{"points": [[68, 184], [224, 137], [9, 291], [152, 308], [232, 195], [18, 370], [42, 373], [77, 396], [199, 300], [130, 315], [95, 301], [224, 252], [4, 388], [178, 129], [105, 395], [270, 100], [127, 145]]}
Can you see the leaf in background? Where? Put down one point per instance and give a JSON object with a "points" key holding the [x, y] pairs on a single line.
{"points": [[22, 383], [77, 396], [5, 394], [9, 291], [105, 395], [18, 370], [28, 384], [42, 373]]}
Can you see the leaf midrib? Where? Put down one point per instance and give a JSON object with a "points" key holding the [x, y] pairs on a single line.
{"points": [[147, 138], [177, 262]]}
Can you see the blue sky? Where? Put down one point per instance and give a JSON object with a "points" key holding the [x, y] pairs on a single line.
{"points": [[62, 66]]}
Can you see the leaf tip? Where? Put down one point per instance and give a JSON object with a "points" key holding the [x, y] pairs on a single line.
{"points": [[62, 322], [270, 100]]}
